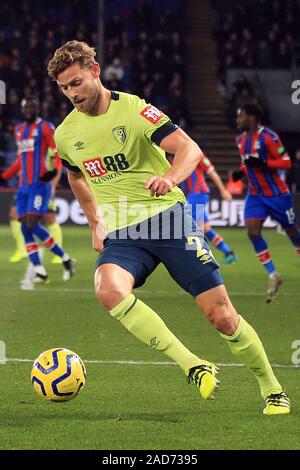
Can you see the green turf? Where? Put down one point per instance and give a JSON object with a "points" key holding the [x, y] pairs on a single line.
{"points": [[144, 406]]}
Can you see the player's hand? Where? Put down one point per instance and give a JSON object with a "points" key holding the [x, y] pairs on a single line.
{"points": [[159, 186], [48, 176], [237, 175], [254, 162], [98, 235], [226, 195]]}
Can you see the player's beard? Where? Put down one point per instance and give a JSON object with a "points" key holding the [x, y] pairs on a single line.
{"points": [[89, 105]]}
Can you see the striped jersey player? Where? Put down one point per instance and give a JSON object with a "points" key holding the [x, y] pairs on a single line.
{"points": [[34, 137], [263, 156]]}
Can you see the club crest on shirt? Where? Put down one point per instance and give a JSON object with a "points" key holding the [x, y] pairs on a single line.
{"points": [[119, 134]]}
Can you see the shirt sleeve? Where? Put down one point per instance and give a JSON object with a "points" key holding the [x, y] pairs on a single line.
{"points": [[277, 156], [149, 121], [206, 165], [65, 159], [13, 169], [48, 134]]}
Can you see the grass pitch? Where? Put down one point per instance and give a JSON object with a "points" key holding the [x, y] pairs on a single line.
{"points": [[143, 405]]}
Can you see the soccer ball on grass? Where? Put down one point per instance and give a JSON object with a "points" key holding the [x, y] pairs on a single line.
{"points": [[58, 374]]}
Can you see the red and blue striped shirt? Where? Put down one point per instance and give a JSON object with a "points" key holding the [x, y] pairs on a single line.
{"points": [[33, 141], [196, 182], [267, 146]]}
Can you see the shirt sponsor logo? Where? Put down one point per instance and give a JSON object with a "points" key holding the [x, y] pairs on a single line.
{"points": [[95, 167], [106, 178], [249, 155], [26, 145], [152, 114]]}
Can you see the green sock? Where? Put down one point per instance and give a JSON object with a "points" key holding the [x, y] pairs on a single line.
{"points": [[56, 232], [246, 345], [15, 228], [147, 326]]}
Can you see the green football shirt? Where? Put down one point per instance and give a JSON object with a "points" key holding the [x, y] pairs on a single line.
{"points": [[117, 154]]}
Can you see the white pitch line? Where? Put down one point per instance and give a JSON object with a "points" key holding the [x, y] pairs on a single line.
{"points": [[150, 363], [162, 292]]}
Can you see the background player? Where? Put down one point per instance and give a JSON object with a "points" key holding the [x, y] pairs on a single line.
{"points": [[123, 156], [197, 194], [263, 154], [34, 137], [49, 219]]}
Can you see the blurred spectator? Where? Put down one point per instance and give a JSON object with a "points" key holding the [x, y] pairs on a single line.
{"points": [[114, 71], [234, 187], [256, 33], [264, 55], [144, 51], [243, 92]]}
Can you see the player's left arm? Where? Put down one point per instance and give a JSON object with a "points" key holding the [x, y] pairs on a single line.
{"points": [[215, 177], [187, 155], [278, 157]]}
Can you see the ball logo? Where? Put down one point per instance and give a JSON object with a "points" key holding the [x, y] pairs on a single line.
{"points": [[95, 167], [152, 114]]}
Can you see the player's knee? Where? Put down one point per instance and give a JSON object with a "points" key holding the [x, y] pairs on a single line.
{"points": [[254, 232], [111, 294], [31, 222], [222, 315]]}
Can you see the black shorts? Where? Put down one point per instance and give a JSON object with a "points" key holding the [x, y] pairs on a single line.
{"points": [[172, 238]]}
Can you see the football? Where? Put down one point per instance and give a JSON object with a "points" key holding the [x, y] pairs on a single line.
{"points": [[58, 374]]}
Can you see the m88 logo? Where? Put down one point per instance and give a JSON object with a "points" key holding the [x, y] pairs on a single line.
{"points": [[100, 166]]}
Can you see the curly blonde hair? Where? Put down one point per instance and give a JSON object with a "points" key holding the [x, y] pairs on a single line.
{"points": [[68, 54]]}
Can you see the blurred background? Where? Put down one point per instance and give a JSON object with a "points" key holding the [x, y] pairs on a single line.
{"points": [[197, 60]]}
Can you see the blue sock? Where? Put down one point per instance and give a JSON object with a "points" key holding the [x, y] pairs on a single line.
{"points": [[217, 241], [31, 245], [262, 252], [48, 240]]}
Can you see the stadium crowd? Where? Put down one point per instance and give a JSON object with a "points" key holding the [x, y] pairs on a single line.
{"points": [[256, 33], [253, 34], [137, 44]]}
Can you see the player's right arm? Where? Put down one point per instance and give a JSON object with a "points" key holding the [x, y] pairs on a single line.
{"points": [[82, 192], [12, 170], [88, 204]]}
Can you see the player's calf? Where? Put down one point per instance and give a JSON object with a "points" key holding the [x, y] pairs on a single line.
{"points": [[216, 306]]}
